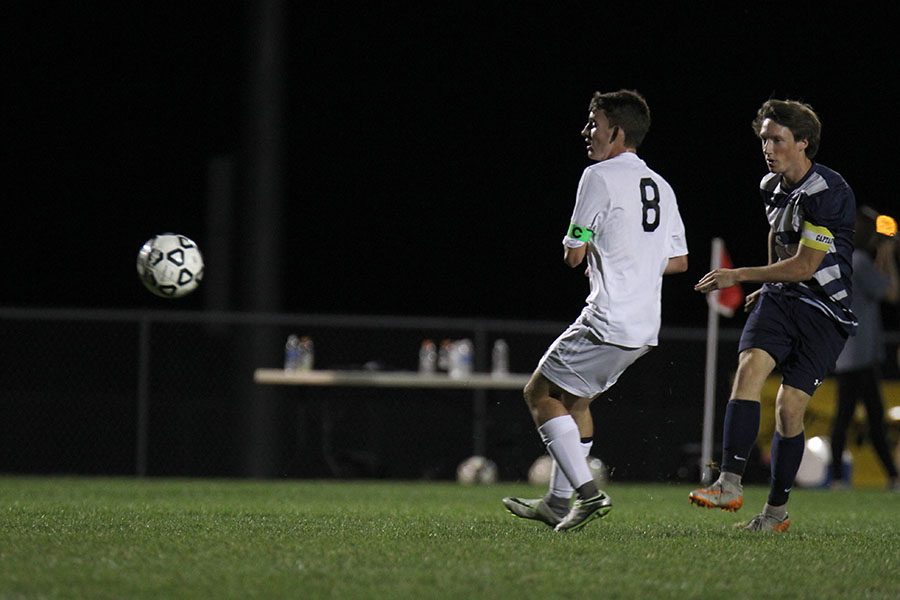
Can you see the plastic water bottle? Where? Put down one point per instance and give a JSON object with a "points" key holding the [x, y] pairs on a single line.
{"points": [[292, 353], [307, 354], [500, 358], [461, 358], [466, 356], [427, 357], [443, 358]]}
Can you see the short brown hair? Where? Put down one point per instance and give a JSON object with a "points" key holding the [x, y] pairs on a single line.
{"points": [[799, 117], [626, 109]]}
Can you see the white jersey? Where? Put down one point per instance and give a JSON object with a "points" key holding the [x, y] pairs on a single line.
{"points": [[628, 216]]}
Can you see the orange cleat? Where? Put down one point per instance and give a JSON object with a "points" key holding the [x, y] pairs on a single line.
{"points": [[721, 494], [764, 522]]}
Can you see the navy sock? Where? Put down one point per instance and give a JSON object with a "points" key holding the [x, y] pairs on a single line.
{"points": [[786, 456], [739, 435]]}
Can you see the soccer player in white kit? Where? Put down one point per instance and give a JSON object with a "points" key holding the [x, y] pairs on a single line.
{"points": [[626, 223]]}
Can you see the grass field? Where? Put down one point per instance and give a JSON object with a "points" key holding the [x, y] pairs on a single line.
{"points": [[128, 538]]}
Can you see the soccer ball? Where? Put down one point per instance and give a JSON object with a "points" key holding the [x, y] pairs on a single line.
{"points": [[476, 470], [170, 265]]}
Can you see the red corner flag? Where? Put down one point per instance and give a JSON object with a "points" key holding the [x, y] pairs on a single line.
{"points": [[726, 301]]}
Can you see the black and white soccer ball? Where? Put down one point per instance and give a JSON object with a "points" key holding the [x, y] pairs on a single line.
{"points": [[170, 265]]}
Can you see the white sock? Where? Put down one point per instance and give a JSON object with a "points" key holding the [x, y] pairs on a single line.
{"points": [[560, 486], [563, 442]]}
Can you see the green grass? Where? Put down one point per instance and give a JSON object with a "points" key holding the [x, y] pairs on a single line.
{"points": [[127, 538]]}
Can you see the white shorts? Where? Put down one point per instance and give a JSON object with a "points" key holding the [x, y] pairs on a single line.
{"points": [[584, 365]]}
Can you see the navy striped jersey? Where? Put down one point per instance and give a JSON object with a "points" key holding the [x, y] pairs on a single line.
{"points": [[819, 212]]}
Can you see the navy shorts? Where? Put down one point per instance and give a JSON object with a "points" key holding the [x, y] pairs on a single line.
{"points": [[803, 340]]}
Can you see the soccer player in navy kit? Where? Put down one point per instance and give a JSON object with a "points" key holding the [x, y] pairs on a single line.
{"points": [[626, 225], [801, 316]]}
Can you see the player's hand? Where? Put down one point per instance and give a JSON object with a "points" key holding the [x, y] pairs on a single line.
{"points": [[750, 300], [716, 280]]}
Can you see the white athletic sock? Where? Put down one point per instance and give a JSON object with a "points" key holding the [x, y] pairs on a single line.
{"points": [[560, 486], [560, 435]]}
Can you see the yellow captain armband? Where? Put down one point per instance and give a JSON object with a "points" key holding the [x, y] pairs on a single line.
{"points": [[815, 237], [580, 233]]}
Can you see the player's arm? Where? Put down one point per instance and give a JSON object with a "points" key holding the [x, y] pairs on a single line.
{"points": [[771, 247], [676, 264], [575, 244], [800, 267], [574, 256], [811, 250]]}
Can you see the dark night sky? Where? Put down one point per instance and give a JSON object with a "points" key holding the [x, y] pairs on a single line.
{"points": [[432, 154]]}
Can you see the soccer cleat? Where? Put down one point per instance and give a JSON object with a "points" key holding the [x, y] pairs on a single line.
{"points": [[535, 509], [720, 494], [585, 511], [764, 522]]}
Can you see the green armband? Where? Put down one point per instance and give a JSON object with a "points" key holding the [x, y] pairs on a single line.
{"points": [[580, 233]]}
